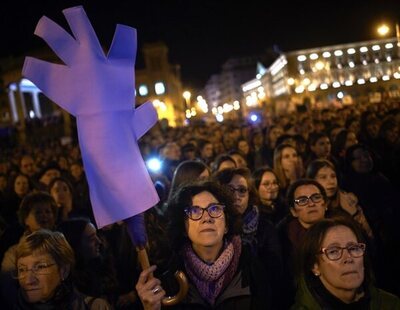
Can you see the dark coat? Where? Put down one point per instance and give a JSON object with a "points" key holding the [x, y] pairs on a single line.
{"points": [[249, 288]]}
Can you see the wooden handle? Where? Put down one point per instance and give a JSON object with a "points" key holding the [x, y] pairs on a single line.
{"points": [[179, 276]]}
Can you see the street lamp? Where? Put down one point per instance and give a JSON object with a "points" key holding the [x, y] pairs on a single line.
{"points": [[186, 94], [384, 29]]}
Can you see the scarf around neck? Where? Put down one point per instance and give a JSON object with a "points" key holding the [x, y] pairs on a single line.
{"points": [[211, 279]]}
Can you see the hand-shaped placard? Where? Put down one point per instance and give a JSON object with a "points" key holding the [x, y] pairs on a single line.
{"points": [[99, 91]]}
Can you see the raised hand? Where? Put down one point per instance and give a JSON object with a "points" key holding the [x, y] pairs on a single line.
{"points": [[99, 91]]}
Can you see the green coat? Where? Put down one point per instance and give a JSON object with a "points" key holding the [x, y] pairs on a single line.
{"points": [[380, 300]]}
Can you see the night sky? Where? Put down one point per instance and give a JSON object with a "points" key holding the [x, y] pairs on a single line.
{"points": [[202, 35]]}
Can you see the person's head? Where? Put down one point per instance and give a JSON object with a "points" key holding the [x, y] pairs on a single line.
{"points": [[306, 199], [205, 149], [240, 183], [50, 172], [243, 146], [344, 139], [82, 236], [320, 144], [223, 161], [334, 250], [190, 219], [285, 159], [27, 165], [38, 210], [171, 151], [188, 171], [267, 184], [189, 151], [21, 184], [44, 259], [256, 139], [389, 131], [76, 170], [238, 158], [324, 172], [359, 159], [61, 190], [273, 133]]}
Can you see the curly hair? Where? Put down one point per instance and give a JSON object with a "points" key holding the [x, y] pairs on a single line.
{"points": [[183, 198]]}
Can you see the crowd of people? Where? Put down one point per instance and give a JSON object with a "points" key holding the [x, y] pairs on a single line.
{"points": [[297, 211]]}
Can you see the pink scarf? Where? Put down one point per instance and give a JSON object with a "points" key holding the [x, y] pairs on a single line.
{"points": [[210, 280]]}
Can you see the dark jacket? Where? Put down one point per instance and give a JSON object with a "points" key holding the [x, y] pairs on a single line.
{"points": [[249, 289], [374, 299]]}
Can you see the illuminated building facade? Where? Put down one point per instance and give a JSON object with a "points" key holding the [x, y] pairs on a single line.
{"points": [[319, 76], [223, 91]]}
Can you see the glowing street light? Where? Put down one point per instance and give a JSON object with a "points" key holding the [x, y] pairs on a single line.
{"points": [[186, 94], [383, 29]]}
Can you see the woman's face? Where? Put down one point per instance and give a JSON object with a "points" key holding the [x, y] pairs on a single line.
{"points": [[39, 286], [274, 134], [351, 139], [289, 159], [243, 146], [240, 191], [322, 148], [41, 216], [240, 161], [346, 273], [326, 176], [312, 212], [21, 185], [207, 231], [90, 244], [269, 187], [61, 193], [362, 161]]}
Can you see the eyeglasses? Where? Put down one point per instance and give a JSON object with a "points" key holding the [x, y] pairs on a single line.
{"points": [[302, 201], [38, 269], [241, 190], [214, 210], [335, 252]]}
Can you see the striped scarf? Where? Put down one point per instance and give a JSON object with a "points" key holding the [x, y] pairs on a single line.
{"points": [[210, 280]]}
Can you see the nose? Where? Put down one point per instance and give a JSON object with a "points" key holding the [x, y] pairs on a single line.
{"points": [[346, 256], [30, 277]]}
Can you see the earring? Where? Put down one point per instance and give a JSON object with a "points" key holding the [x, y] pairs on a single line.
{"points": [[317, 274]]}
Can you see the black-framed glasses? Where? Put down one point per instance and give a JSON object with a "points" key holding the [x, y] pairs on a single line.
{"points": [[241, 190], [38, 269], [336, 252], [214, 210], [302, 201]]}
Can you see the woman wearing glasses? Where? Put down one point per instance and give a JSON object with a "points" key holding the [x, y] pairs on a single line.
{"points": [[335, 272], [204, 233], [44, 262], [306, 199]]}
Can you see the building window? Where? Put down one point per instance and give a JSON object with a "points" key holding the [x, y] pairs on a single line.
{"points": [[159, 88], [143, 91]]}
